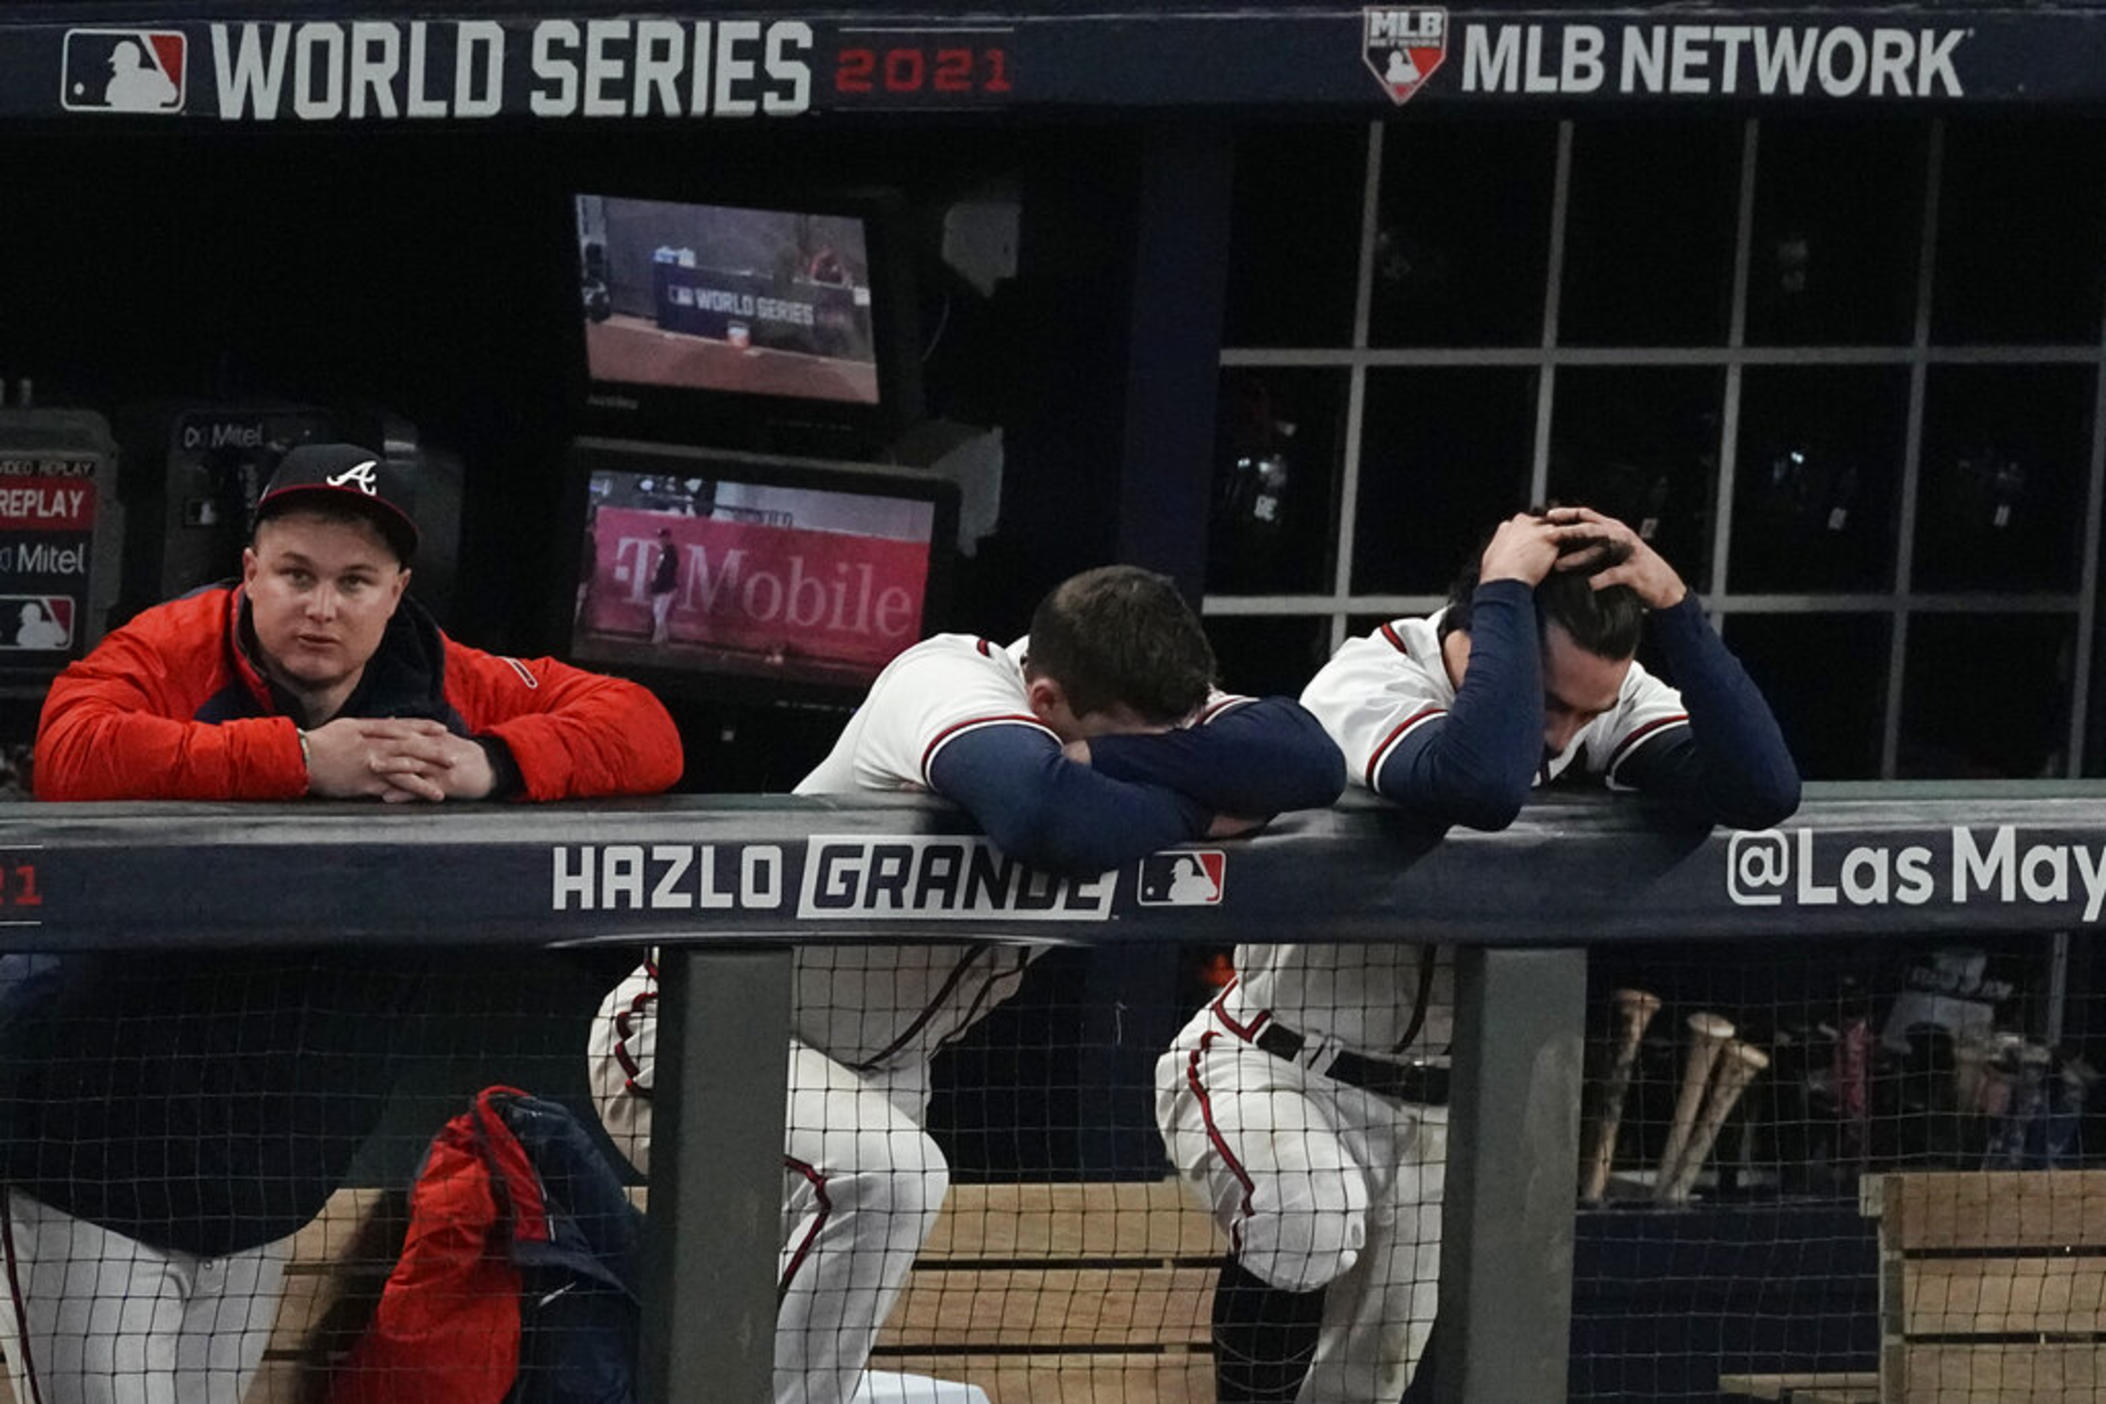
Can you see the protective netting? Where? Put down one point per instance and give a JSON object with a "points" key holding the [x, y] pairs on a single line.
{"points": [[214, 1170]]}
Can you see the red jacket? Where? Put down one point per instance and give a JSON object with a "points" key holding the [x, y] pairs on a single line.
{"points": [[172, 706]]}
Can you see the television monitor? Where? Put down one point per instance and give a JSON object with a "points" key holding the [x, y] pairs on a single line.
{"points": [[741, 577], [699, 312]]}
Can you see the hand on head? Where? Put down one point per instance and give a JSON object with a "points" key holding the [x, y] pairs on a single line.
{"points": [[1524, 548], [395, 760], [1616, 555]]}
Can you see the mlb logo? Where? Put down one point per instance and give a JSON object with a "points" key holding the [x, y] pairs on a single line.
{"points": [[124, 70], [1183, 879], [1402, 48], [38, 623]]}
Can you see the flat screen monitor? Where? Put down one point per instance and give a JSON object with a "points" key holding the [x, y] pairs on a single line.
{"points": [[746, 576], [691, 309]]}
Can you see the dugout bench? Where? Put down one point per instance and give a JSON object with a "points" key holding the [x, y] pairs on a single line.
{"points": [[1597, 870]]}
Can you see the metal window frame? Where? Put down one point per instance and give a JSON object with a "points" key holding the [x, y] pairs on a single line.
{"points": [[1337, 608]]}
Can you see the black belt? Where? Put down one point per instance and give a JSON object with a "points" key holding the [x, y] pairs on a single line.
{"points": [[1407, 1082]]}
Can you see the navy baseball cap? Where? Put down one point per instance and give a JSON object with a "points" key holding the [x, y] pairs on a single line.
{"points": [[347, 475]]}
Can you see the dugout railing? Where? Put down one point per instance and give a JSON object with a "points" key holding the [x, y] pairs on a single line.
{"points": [[728, 887]]}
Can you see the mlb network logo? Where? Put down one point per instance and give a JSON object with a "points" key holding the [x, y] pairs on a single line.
{"points": [[124, 70], [1403, 47], [1193, 879]]}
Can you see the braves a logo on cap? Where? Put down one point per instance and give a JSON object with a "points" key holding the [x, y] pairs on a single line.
{"points": [[124, 70], [1186, 879], [361, 476], [1403, 47]]}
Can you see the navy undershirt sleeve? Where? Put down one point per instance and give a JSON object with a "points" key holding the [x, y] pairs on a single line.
{"points": [[1255, 760], [1052, 812], [1475, 766], [1730, 765]]}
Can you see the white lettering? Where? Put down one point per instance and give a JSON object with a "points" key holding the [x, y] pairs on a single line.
{"points": [[1852, 44], [373, 69], [2044, 873], [732, 69], [1865, 876], [621, 875], [421, 104], [785, 67], [1687, 72], [660, 47], [678, 858], [760, 876], [1811, 894], [485, 39], [561, 70], [1536, 78], [249, 80], [2091, 871], [1934, 62], [1643, 55], [1893, 52], [318, 46], [1583, 69], [1784, 56], [1914, 884], [600, 69], [1731, 37], [1970, 864], [1488, 66], [572, 884]]}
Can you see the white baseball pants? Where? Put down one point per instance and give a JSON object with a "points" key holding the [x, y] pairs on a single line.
{"points": [[1317, 1185], [93, 1317]]}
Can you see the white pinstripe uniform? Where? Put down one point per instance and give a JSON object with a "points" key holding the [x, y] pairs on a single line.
{"points": [[863, 1182], [1320, 1184]]}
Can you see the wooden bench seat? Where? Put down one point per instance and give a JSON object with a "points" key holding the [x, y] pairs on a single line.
{"points": [[1063, 1294], [1992, 1286], [1038, 1293]]}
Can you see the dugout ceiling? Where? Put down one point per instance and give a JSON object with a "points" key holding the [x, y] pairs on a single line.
{"points": [[767, 60]]}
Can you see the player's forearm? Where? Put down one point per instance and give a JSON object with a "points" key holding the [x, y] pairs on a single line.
{"points": [[1475, 765], [1054, 813], [1257, 758], [598, 740], [1733, 766], [92, 753]]}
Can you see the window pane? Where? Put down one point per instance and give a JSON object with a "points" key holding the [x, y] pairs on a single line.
{"points": [[2006, 453], [1463, 248], [1263, 655], [1814, 489], [1953, 730], [1444, 457], [1276, 457], [1837, 233], [1641, 444], [1649, 233], [1825, 676], [2019, 220], [1294, 236]]}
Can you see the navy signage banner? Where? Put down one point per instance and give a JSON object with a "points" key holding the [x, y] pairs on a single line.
{"points": [[775, 65], [1572, 870]]}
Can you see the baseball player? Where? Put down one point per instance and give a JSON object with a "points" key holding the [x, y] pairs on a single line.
{"points": [[1096, 740], [172, 1120], [1307, 1106]]}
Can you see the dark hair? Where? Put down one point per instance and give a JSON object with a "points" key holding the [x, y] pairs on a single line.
{"points": [[1120, 634], [342, 510], [1604, 622]]}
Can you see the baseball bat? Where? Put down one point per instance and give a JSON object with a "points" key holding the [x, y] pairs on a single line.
{"points": [[1634, 1010], [1707, 1033], [1737, 1067]]}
